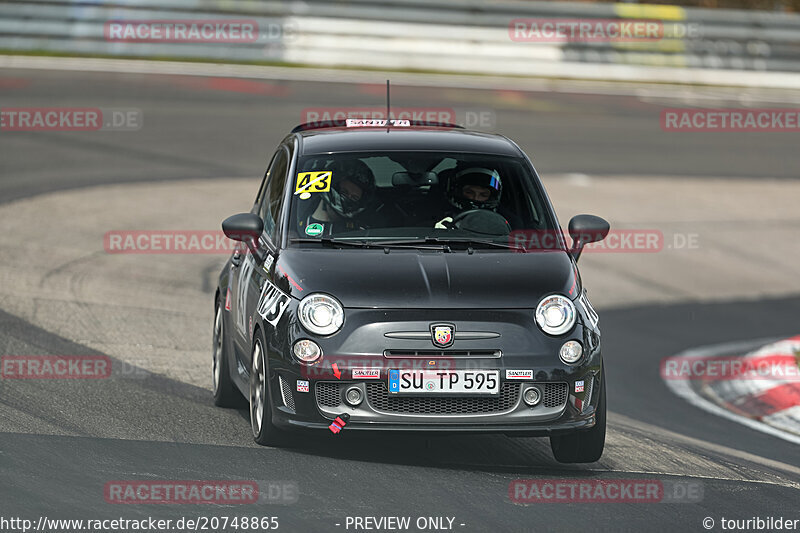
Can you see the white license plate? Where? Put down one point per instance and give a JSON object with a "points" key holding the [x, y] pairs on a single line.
{"points": [[425, 382]]}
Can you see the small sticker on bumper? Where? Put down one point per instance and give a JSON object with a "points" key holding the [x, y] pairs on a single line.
{"points": [[366, 373], [519, 374], [302, 385]]}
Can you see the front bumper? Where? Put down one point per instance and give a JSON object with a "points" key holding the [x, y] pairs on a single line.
{"points": [[539, 430], [311, 397], [564, 407]]}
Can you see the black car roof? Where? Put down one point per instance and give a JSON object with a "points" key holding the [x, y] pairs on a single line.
{"points": [[431, 139]]}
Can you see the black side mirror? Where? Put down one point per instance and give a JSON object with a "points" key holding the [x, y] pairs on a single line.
{"points": [[247, 228], [585, 229]]}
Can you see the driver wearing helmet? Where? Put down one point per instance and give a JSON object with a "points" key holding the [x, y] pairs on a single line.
{"points": [[352, 188], [472, 189]]}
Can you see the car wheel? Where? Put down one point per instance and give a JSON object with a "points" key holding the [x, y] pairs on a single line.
{"points": [[264, 431], [225, 392], [583, 446]]}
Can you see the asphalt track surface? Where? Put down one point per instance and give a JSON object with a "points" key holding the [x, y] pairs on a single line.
{"points": [[62, 442]]}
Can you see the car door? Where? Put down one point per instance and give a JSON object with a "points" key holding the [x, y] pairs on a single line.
{"points": [[255, 278], [242, 269]]}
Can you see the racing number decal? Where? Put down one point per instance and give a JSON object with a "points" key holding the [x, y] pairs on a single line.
{"points": [[241, 294], [272, 303], [590, 312], [309, 182]]}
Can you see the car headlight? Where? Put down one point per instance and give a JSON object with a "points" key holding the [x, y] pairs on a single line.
{"points": [[321, 314], [555, 314]]}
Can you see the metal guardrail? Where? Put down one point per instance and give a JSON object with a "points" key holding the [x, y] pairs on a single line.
{"points": [[440, 35]]}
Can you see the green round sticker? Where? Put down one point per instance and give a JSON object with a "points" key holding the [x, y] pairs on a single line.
{"points": [[314, 229]]}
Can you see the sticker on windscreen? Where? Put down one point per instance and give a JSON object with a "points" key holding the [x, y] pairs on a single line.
{"points": [[311, 182], [314, 229]]}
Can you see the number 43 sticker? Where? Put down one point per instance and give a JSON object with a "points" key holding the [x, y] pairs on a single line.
{"points": [[309, 182]]}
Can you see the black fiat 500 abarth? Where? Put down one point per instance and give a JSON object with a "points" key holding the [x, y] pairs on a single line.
{"points": [[404, 277]]}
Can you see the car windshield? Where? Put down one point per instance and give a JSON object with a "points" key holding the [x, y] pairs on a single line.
{"points": [[404, 198]]}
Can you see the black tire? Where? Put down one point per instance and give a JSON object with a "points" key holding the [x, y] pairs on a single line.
{"points": [[583, 446], [225, 392], [265, 432]]}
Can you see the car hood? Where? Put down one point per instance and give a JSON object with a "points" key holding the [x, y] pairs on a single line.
{"points": [[422, 279]]}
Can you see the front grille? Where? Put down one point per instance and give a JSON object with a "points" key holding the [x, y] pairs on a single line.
{"points": [[286, 393], [328, 394], [380, 400], [554, 394]]}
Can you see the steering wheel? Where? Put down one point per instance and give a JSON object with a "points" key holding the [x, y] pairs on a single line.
{"points": [[482, 221]]}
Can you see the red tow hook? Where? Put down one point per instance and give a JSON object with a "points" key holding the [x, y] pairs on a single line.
{"points": [[339, 423]]}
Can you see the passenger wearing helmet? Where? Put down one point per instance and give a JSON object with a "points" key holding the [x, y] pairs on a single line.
{"points": [[352, 188], [471, 189]]}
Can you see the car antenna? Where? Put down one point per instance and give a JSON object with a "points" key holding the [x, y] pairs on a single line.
{"points": [[388, 108]]}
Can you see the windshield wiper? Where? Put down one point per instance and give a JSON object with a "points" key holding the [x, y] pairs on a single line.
{"points": [[427, 243], [486, 242], [332, 242], [470, 243]]}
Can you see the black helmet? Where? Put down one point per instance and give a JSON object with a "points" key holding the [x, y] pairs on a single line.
{"points": [[356, 172], [482, 177]]}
